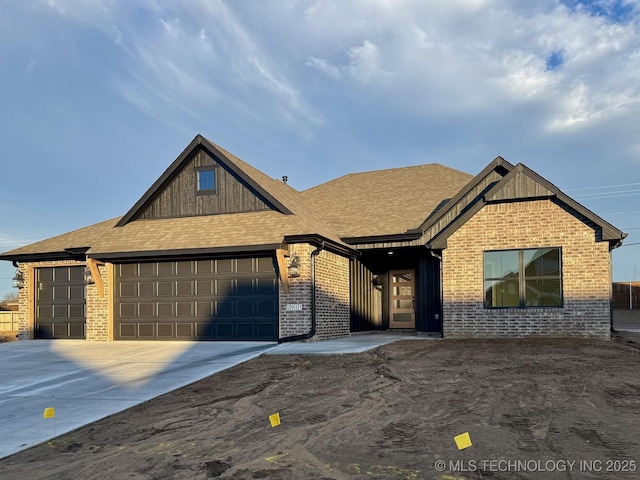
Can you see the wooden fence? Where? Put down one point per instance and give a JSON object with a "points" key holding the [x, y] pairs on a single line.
{"points": [[8, 321], [626, 295]]}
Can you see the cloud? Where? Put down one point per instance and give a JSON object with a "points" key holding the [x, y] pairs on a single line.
{"points": [[193, 58]]}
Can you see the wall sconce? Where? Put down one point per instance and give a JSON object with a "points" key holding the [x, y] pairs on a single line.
{"points": [[18, 280], [88, 278], [294, 266]]}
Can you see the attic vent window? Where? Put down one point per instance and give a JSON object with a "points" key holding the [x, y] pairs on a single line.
{"points": [[206, 180]]}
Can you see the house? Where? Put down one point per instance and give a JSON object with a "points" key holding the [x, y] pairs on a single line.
{"points": [[217, 250]]}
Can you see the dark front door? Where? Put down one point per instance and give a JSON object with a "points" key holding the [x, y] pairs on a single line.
{"points": [[402, 299], [224, 299], [60, 302]]}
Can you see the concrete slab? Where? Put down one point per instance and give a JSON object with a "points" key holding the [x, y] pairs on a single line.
{"points": [[352, 344], [85, 381]]}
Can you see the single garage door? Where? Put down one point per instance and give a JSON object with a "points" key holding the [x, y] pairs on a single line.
{"points": [[222, 299], [60, 302]]}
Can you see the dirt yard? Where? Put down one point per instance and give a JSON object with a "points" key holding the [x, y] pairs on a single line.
{"points": [[531, 407]]}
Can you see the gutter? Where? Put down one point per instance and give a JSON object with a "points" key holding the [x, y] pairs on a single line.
{"points": [[312, 332]]}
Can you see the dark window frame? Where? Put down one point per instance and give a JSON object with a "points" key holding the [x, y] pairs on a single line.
{"points": [[207, 191], [522, 279]]}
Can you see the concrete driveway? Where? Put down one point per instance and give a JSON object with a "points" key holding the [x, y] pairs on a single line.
{"points": [[85, 381]]}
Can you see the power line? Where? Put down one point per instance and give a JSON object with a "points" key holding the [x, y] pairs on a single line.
{"points": [[603, 186]]}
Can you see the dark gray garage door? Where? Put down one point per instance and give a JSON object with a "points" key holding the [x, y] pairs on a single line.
{"points": [[226, 299], [60, 302]]}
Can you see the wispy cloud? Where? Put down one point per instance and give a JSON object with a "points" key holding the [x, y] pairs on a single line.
{"points": [[194, 58]]}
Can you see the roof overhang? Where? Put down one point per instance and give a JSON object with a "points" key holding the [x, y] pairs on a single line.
{"points": [[318, 240]]}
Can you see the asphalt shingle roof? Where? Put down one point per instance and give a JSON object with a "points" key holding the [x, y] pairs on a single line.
{"points": [[384, 202]]}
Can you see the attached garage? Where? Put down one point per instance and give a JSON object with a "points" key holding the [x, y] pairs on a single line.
{"points": [[212, 299], [60, 302]]}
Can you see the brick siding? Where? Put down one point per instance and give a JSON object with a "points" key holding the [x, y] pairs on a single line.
{"points": [[332, 296], [98, 308], [586, 274]]}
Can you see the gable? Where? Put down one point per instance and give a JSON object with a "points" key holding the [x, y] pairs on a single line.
{"points": [[180, 196], [239, 188], [522, 184]]}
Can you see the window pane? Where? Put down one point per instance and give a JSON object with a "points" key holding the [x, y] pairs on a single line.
{"points": [[501, 293], [541, 262], [501, 264], [403, 304], [543, 293], [206, 180]]}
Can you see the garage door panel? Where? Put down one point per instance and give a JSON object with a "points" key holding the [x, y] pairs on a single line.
{"points": [[61, 274], [222, 299], [184, 309], [45, 293], [147, 269], [60, 293], [184, 268], [76, 311], [76, 330], [128, 289], [204, 287], [204, 309], [165, 330], [184, 330], [184, 288], [224, 266], [225, 309], [224, 287], [60, 311], [204, 266], [146, 289], [128, 270], [128, 310], [146, 330], [165, 269], [146, 309], [128, 330], [204, 331], [165, 289], [267, 308]]}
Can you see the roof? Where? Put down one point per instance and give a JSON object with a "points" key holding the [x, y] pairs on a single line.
{"points": [[126, 237], [353, 205], [408, 206], [59, 246]]}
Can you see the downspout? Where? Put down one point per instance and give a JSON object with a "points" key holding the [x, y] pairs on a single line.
{"points": [[312, 332], [440, 282]]}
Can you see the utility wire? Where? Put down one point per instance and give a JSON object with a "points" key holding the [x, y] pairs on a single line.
{"points": [[604, 186]]}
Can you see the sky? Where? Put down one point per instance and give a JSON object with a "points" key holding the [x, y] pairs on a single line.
{"points": [[99, 97]]}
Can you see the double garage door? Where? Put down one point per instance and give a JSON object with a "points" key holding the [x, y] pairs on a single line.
{"points": [[222, 299]]}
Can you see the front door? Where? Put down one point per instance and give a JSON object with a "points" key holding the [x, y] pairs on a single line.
{"points": [[402, 299]]}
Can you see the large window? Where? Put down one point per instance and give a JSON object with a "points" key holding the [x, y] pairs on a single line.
{"points": [[523, 278]]}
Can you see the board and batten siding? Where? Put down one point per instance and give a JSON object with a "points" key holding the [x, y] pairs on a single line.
{"points": [[180, 199]]}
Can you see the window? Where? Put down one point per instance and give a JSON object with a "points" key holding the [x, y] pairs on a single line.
{"points": [[206, 180], [523, 278]]}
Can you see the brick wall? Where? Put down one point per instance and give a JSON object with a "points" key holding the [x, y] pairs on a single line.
{"points": [[332, 295], [98, 308], [586, 274], [297, 322]]}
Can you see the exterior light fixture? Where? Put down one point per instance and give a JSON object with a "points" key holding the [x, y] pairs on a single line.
{"points": [[88, 278], [294, 266], [18, 280]]}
